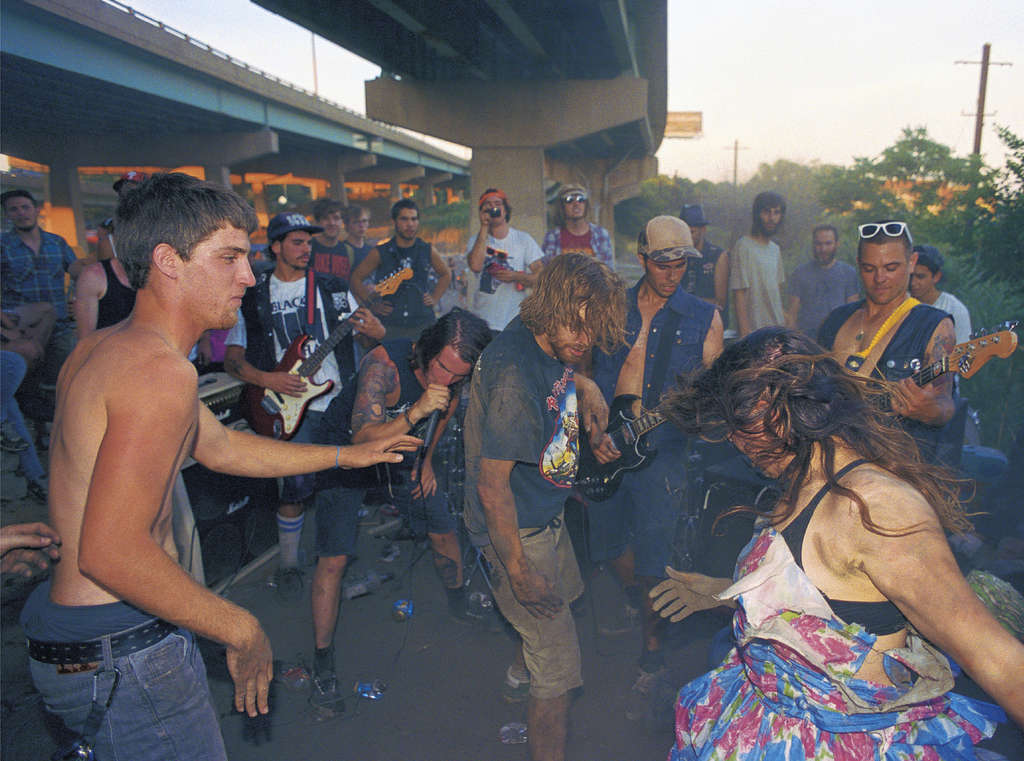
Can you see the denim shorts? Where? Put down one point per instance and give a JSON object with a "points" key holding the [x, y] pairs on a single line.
{"points": [[161, 709], [337, 520], [426, 516], [296, 489], [551, 646]]}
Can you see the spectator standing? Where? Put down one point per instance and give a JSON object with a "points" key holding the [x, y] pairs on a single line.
{"points": [[924, 286], [573, 233], [708, 278], [506, 259], [330, 255], [357, 221], [756, 273], [820, 285]]}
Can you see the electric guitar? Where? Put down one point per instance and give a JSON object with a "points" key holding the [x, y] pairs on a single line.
{"points": [[271, 413], [598, 481]]}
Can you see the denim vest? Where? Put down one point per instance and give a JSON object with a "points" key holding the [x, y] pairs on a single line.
{"points": [[905, 355], [259, 332], [687, 350]]}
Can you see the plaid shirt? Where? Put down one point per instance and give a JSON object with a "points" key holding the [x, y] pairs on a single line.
{"points": [[28, 278]]}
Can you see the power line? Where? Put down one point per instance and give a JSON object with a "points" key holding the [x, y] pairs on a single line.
{"points": [[979, 116]]}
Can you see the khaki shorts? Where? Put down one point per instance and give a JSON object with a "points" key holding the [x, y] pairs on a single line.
{"points": [[550, 645]]}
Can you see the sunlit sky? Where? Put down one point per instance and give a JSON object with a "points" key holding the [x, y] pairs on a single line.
{"points": [[805, 81]]}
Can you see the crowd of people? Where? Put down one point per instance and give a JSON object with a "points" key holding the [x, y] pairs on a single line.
{"points": [[849, 602]]}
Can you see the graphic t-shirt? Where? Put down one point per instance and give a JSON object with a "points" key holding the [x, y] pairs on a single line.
{"points": [[576, 244], [522, 407], [288, 316], [331, 260], [495, 301]]}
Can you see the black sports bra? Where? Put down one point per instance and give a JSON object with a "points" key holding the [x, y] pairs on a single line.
{"points": [[877, 617]]}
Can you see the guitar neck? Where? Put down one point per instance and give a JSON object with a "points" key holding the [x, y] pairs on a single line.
{"points": [[647, 422], [312, 363], [930, 373]]}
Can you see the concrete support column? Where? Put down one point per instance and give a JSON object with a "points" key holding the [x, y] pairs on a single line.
{"points": [[218, 174], [519, 172], [66, 218], [427, 184]]}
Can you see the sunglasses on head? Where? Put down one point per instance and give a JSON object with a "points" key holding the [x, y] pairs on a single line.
{"points": [[574, 198], [891, 229]]}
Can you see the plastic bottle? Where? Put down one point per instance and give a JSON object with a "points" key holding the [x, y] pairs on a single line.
{"points": [[364, 585], [513, 733]]}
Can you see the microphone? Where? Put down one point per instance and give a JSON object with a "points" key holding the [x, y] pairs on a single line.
{"points": [[428, 436]]}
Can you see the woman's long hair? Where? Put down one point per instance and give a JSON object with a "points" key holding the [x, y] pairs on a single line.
{"points": [[779, 385]]}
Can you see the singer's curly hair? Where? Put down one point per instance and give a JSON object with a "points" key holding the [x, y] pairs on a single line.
{"points": [[466, 333], [567, 284], [781, 387]]}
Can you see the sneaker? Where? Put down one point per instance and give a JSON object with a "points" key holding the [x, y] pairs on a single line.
{"points": [[324, 695], [289, 583], [639, 703], [516, 688], [37, 490], [10, 441], [625, 620]]}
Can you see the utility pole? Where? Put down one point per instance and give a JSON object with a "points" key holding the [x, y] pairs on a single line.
{"points": [[312, 40], [735, 148], [979, 116]]}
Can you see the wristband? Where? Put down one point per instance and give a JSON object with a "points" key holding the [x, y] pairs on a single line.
{"points": [[337, 456], [405, 413]]}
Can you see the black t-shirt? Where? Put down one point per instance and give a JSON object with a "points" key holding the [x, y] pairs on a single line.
{"points": [[522, 407], [331, 260]]}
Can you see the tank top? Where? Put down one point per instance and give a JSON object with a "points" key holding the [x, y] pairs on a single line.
{"points": [[878, 617], [117, 303]]}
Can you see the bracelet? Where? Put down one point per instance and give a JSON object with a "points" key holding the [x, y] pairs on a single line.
{"points": [[405, 412], [337, 456]]}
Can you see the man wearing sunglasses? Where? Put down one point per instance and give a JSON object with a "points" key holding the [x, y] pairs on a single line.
{"points": [[890, 335], [574, 234]]}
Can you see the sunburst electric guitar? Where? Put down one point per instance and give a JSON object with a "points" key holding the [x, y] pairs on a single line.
{"points": [[628, 431], [272, 413]]}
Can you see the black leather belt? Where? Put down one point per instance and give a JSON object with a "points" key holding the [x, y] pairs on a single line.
{"points": [[91, 651]]}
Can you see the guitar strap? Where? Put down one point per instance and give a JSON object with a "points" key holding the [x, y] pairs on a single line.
{"points": [[310, 301], [661, 356], [864, 362]]}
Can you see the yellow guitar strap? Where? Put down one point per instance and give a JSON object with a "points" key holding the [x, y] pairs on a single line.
{"points": [[858, 362]]}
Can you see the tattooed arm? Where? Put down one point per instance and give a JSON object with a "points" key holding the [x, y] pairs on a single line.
{"points": [[378, 385], [933, 403]]}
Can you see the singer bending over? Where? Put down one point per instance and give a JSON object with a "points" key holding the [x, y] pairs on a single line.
{"points": [[849, 595], [407, 386]]}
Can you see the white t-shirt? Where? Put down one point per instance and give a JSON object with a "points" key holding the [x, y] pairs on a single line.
{"points": [[758, 268], [288, 315], [947, 302], [521, 250]]}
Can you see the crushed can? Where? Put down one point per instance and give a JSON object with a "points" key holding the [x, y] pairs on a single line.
{"points": [[370, 690], [401, 610]]}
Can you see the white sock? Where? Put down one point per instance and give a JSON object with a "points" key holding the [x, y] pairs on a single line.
{"points": [[289, 532]]}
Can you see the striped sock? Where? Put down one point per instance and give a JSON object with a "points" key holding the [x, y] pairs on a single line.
{"points": [[289, 532]]}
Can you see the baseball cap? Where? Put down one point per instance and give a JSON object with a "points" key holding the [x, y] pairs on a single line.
{"points": [[572, 189], [693, 215], [930, 257], [287, 222], [131, 176], [666, 239]]}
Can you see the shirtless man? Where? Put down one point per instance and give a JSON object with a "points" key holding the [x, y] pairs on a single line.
{"points": [[117, 621], [886, 261]]}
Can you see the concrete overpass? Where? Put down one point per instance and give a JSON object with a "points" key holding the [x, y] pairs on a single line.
{"points": [[543, 91], [92, 83]]}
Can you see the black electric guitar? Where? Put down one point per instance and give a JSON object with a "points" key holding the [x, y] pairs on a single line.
{"points": [[627, 430], [271, 413]]}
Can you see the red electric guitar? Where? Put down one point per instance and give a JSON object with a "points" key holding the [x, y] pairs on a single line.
{"points": [[271, 413]]}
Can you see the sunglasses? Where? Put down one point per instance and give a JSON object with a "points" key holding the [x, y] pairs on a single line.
{"points": [[891, 229], [574, 198]]}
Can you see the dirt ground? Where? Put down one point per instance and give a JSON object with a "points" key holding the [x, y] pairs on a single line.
{"points": [[443, 698]]}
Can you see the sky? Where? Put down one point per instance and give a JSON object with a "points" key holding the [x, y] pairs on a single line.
{"points": [[804, 81]]}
